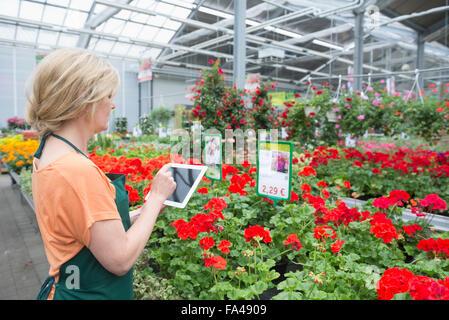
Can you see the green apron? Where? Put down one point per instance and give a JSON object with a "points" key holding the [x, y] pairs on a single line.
{"points": [[83, 277]]}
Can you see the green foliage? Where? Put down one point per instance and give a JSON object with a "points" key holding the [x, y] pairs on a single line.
{"points": [[161, 115], [121, 125], [262, 115], [147, 124], [25, 181]]}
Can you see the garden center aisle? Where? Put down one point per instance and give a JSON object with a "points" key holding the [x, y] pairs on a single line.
{"points": [[23, 265]]}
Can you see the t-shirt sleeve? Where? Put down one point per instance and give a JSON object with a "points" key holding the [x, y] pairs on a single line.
{"points": [[85, 196]]}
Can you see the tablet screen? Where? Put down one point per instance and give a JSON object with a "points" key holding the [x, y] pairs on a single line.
{"points": [[184, 178]]}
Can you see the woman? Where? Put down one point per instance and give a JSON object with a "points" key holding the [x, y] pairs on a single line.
{"points": [[83, 214]]}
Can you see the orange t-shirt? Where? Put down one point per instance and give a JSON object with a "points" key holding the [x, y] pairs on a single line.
{"points": [[70, 194]]}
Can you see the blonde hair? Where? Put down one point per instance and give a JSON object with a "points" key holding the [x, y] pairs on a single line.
{"points": [[64, 84]]}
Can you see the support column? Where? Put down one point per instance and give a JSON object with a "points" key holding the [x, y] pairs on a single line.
{"points": [[388, 59], [358, 49], [420, 57], [239, 43]]}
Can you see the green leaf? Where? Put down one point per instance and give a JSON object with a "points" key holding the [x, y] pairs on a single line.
{"points": [[288, 295], [402, 296]]}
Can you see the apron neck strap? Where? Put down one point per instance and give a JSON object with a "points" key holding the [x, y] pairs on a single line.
{"points": [[44, 139]]}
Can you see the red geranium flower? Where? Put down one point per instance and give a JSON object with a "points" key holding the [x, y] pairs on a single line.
{"points": [[292, 239], [224, 246], [203, 190], [216, 261], [307, 171], [207, 243], [257, 233], [336, 246]]}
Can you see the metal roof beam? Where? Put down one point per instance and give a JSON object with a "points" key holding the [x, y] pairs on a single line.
{"points": [[436, 31], [93, 22]]}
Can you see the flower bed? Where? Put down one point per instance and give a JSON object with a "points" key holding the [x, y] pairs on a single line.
{"points": [[17, 153], [230, 243]]}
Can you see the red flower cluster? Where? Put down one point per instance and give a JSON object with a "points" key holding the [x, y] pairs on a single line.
{"points": [[224, 246], [216, 262], [215, 207], [201, 222], [337, 245], [395, 280], [238, 184], [133, 194], [439, 247], [433, 202], [207, 242], [383, 228], [203, 190], [257, 233], [411, 229], [402, 159], [324, 232], [307, 171], [292, 239], [395, 197], [345, 215]]}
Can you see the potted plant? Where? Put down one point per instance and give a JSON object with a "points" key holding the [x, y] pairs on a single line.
{"points": [[121, 125]]}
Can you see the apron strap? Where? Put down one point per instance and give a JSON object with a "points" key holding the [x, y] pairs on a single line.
{"points": [[44, 139], [46, 287]]}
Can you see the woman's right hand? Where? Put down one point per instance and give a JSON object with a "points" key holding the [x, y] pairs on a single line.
{"points": [[163, 184]]}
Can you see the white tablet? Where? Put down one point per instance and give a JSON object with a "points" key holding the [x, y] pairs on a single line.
{"points": [[187, 178]]}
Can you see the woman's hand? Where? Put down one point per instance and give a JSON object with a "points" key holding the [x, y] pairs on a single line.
{"points": [[162, 187]]}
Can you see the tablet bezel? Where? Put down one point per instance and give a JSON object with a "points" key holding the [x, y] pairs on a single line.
{"points": [[182, 205]]}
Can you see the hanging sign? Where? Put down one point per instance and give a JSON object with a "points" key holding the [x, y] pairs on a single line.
{"points": [[252, 82], [274, 169], [145, 72], [212, 156], [39, 57]]}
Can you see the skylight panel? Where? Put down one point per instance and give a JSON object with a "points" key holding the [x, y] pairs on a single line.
{"points": [[75, 19], [164, 36], [180, 12], [47, 37], [170, 24], [139, 17], [145, 4], [148, 33], [99, 8], [54, 15], [63, 3], [26, 34], [123, 14], [136, 51], [113, 26], [84, 5], [157, 21], [67, 40], [104, 45], [120, 48], [7, 31], [131, 29], [30, 10], [164, 8], [10, 8]]}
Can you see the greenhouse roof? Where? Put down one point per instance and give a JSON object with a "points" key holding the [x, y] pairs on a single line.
{"points": [[299, 37]]}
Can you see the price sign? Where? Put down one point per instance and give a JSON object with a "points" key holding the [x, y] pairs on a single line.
{"points": [[212, 156], [274, 169]]}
